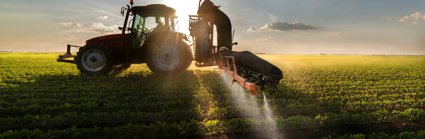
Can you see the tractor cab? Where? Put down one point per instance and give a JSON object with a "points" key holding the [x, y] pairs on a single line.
{"points": [[143, 22]]}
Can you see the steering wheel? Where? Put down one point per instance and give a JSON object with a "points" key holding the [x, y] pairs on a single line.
{"points": [[146, 31]]}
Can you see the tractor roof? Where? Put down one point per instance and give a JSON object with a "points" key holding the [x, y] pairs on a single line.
{"points": [[154, 10]]}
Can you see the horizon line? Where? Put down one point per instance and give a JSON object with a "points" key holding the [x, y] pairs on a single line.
{"points": [[5, 51]]}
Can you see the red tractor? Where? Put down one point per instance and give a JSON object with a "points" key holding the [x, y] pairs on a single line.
{"points": [[148, 36]]}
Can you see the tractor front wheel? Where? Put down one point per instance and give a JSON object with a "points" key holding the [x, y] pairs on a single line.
{"points": [[94, 60]]}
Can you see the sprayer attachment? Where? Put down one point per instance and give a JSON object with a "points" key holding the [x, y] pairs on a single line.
{"points": [[249, 70]]}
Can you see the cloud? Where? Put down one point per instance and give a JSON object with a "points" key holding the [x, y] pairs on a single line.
{"points": [[70, 24], [101, 28], [103, 17], [253, 29], [282, 26], [96, 27], [274, 17], [413, 18], [339, 34]]}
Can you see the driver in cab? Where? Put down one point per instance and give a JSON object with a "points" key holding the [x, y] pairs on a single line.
{"points": [[160, 25]]}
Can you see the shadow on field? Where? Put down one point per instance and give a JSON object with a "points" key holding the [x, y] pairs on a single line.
{"points": [[162, 105]]}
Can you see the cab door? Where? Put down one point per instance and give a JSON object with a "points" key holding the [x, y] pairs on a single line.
{"points": [[142, 27], [138, 34]]}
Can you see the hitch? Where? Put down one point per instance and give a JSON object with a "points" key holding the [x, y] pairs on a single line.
{"points": [[65, 57]]}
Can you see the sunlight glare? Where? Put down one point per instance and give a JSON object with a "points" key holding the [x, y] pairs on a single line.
{"points": [[183, 8]]}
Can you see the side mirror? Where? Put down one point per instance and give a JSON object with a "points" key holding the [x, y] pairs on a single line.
{"points": [[235, 43], [123, 9], [120, 28]]}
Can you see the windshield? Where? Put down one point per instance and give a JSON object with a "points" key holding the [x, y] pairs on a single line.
{"points": [[148, 24], [153, 22], [173, 24], [143, 26]]}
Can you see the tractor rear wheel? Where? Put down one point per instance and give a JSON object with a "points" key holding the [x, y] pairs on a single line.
{"points": [[94, 60], [187, 57], [168, 57]]}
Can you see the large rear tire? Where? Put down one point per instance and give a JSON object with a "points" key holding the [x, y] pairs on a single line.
{"points": [[188, 56], [168, 57], [94, 60]]}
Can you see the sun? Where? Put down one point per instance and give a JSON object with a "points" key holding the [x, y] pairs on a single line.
{"points": [[183, 8]]}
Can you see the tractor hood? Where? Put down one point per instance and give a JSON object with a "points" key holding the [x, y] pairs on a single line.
{"points": [[114, 39]]}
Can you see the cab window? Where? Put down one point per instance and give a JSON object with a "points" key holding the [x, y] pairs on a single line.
{"points": [[152, 22], [138, 25]]}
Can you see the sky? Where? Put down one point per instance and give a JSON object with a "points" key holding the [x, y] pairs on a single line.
{"points": [[391, 27]]}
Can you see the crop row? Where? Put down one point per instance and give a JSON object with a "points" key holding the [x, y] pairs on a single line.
{"points": [[192, 127], [381, 135], [68, 119], [92, 106]]}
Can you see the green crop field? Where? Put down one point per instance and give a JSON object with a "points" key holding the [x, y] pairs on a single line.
{"points": [[321, 96]]}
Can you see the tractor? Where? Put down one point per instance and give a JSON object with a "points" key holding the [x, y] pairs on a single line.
{"points": [[149, 36]]}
